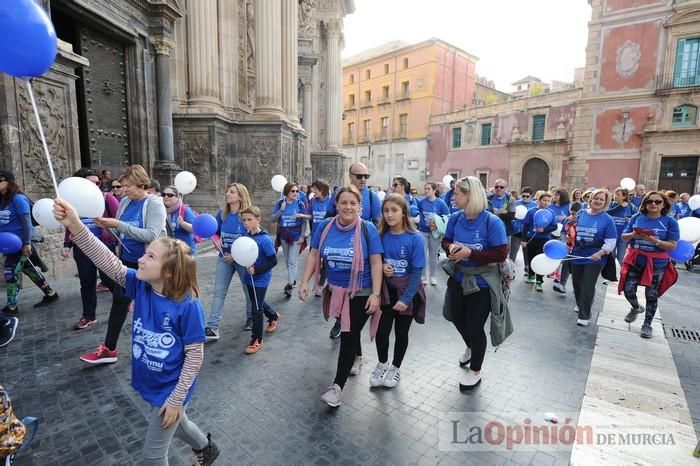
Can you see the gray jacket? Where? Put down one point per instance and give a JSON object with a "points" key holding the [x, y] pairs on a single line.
{"points": [[154, 215]]}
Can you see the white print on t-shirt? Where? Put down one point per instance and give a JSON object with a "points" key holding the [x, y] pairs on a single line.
{"points": [[587, 233], [4, 217], [149, 343]]}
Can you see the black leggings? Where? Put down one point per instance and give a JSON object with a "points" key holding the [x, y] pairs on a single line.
{"points": [[118, 312], [534, 247], [402, 324], [469, 315], [350, 341]]}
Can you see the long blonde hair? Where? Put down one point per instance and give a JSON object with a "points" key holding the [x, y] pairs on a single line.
{"points": [[477, 195], [407, 221], [178, 269], [245, 199]]}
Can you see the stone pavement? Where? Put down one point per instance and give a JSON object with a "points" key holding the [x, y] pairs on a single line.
{"points": [[265, 408]]}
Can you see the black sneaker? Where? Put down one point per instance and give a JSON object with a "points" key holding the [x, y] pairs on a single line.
{"points": [[10, 311], [248, 324], [646, 331], [632, 315], [335, 331], [7, 333], [47, 299], [288, 290], [211, 334], [206, 455]]}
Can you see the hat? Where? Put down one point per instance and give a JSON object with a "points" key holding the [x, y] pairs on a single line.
{"points": [[7, 175]]}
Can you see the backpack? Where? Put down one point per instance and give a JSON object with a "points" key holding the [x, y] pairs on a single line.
{"points": [[507, 268], [12, 430]]}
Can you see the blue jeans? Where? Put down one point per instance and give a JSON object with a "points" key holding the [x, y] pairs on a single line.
{"points": [[291, 256], [222, 280], [620, 250]]}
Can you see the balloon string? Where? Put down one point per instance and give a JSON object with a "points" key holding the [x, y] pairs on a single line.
{"points": [[118, 239], [255, 295], [43, 138]]}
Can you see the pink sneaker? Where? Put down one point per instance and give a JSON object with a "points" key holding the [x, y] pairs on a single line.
{"points": [[102, 355], [84, 323]]}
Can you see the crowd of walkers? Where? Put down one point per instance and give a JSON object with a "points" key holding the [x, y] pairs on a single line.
{"points": [[371, 255]]}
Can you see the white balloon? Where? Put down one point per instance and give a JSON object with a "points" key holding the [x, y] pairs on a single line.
{"points": [[446, 180], [543, 265], [520, 212], [84, 195], [278, 182], [185, 182], [628, 183], [43, 213], [690, 229], [244, 251], [381, 195], [557, 232], [694, 202]]}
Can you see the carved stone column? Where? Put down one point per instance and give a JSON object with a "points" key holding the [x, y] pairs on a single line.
{"points": [[307, 123], [290, 73], [163, 47], [268, 59], [335, 71], [203, 54]]}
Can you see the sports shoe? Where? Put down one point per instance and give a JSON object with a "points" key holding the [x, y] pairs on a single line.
{"points": [[248, 324], [526, 274], [84, 323], [332, 395], [392, 377], [7, 333], [530, 279], [646, 331], [559, 288], [272, 324], [582, 322], [356, 366], [10, 311], [288, 290], [469, 380], [211, 334], [335, 331], [206, 455], [255, 345], [632, 314], [377, 377], [47, 299], [101, 287], [102, 355], [576, 309], [538, 287], [433, 281], [465, 358], [424, 281]]}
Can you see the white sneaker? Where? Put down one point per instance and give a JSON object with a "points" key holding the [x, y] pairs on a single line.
{"points": [[559, 288], [433, 281], [392, 377], [466, 357], [356, 366], [582, 322], [332, 396], [576, 309], [469, 380], [377, 377], [424, 280]]}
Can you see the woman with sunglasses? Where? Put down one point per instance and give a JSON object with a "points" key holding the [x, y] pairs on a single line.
{"points": [[651, 234], [117, 190], [403, 188], [87, 271], [180, 217], [290, 214]]}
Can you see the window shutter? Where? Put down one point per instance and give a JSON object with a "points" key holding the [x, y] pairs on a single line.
{"points": [[538, 127]]}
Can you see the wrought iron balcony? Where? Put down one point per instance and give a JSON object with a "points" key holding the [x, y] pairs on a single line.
{"points": [[668, 82], [686, 2]]}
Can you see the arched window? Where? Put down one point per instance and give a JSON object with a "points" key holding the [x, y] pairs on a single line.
{"points": [[684, 115]]}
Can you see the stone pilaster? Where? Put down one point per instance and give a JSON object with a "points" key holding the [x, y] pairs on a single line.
{"points": [[203, 53], [162, 47], [335, 71], [268, 59], [307, 123], [290, 67]]}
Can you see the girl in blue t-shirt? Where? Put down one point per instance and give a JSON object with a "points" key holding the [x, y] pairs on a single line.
{"points": [[258, 277], [528, 202], [167, 333], [321, 207], [560, 204], [290, 215], [429, 207], [352, 252], [404, 261], [621, 211], [180, 217], [534, 237], [230, 229]]}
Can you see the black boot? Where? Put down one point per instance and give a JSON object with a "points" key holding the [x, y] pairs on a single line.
{"points": [[206, 455]]}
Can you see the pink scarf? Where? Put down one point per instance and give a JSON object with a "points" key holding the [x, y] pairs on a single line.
{"points": [[175, 207]]}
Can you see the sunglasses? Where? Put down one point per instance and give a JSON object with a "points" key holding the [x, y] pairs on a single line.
{"points": [[499, 187], [655, 201], [168, 194], [361, 176], [526, 196], [117, 186], [294, 191]]}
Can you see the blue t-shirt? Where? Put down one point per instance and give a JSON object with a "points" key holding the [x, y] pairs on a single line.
{"points": [[637, 201], [133, 215], [664, 227], [484, 232], [404, 252], [266, 248], [287, 219], [161, 330], [429, 208], [373, 214], [338, 251], [10, 215], [319, 209], [681, 209], [302, 197], [230, 230], [621, 215], [530, 221], [591, 232], [518, 224], [181, 234], [499, 203], [412, 205], [560, 212]]}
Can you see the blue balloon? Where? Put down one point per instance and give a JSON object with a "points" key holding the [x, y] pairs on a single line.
{"points": [[28, 39], [543, 217], [9, 243], [204, 226], [684, 251], [555, 249]]}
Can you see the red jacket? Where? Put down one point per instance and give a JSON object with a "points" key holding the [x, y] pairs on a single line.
{"points": [[668, 279]]}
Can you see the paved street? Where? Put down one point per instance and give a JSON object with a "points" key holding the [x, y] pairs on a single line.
{"points": [[265, 408]]}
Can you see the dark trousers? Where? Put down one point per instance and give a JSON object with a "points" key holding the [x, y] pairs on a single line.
{"points": [[565, 272], [350, 341], [651, 293], [534, 247], [87, 273], [401, 324], [259, 307], [584, 278], [469, 315], [118, 312]]}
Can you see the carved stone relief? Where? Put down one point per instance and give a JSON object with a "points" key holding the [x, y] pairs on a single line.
{"points": [[264, 153], [196, 156], [307, 25], [621, 131], [242, 53], [250, 34]]}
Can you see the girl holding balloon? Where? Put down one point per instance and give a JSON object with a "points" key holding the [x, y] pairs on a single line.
{"points": [[16, 236], [538, 225], [180, 217], [290, 214]]}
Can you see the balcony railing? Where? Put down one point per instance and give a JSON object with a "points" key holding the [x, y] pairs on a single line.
{"points": [[382, 135], [366, 103], [350, 106], [384, 100], [403, 95], [686, 2], [667, 82]]}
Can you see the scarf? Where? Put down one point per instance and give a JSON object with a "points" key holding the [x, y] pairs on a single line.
{"points": [[175, 206], [358, 259]]}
